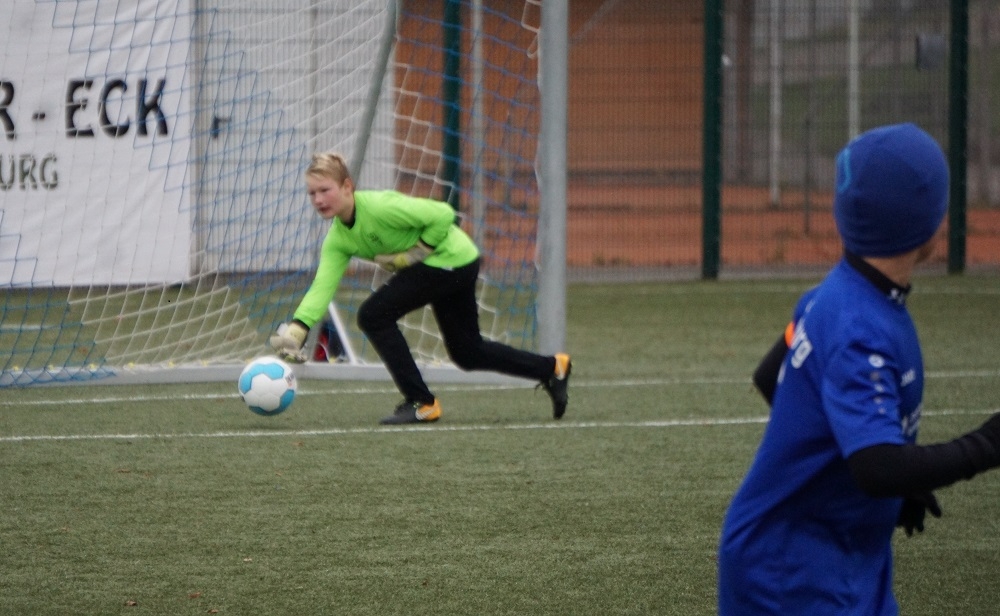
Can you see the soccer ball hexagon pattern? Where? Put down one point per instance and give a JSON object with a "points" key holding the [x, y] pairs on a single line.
{"points": [[267, 386]]}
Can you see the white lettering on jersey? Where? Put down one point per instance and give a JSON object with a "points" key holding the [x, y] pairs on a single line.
{"points": [[801, 347], [910, 423], [908, 377]]}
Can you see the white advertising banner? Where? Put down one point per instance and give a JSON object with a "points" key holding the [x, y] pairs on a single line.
{"points": [[95, 133]]}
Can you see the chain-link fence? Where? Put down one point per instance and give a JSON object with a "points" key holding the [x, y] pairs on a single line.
{"points": [[799, 78]]}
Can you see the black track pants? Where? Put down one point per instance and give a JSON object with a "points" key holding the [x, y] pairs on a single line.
{"points": [[452, 296]]}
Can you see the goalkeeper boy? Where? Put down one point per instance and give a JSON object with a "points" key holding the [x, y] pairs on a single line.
{"points": [[434, 263]]}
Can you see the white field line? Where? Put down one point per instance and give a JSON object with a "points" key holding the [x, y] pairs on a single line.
{"points": [[563, 425], [567, 425], [388, 389], [383, 430]]}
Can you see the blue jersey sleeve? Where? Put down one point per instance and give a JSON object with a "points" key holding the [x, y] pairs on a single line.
{"points": [[860, 392]]}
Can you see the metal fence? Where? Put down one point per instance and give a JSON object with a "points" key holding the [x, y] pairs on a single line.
{"points": [[799, 78]]}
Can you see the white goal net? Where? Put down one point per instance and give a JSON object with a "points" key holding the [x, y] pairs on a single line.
{"points": [[153, 218]]}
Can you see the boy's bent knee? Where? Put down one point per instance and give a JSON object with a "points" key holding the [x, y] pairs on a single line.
{"points": [[371, 317], [466, 359]]}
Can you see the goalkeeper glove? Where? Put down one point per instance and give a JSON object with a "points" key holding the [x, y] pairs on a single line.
{"points": [[399, 260], [288, 341]]}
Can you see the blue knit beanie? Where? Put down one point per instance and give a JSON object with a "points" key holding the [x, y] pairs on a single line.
{"points": [[892, 191]]}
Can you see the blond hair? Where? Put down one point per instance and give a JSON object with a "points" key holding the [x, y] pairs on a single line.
{"points": [[329, 165]]}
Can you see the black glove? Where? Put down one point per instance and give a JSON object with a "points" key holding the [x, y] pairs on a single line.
{"points": [[911, 516]]}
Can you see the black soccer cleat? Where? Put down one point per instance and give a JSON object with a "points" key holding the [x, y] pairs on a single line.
{"points": [[413, 412], [558, 384]]}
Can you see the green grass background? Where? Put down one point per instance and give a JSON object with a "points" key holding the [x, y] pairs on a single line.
{"points": [[177, 500]]}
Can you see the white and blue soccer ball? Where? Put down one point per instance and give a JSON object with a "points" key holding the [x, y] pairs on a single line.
{"points": [[267, 385]]}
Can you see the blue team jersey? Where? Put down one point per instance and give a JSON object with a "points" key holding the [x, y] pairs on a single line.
{"points": [[800, 537]]}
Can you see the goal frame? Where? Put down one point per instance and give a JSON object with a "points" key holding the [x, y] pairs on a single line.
{"points": [[550, 265]]}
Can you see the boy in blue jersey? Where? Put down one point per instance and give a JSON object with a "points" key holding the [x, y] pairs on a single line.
{"points": [[809, 530]]}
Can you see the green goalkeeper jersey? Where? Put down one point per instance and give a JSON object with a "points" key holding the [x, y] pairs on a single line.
{"points": [[385, 222]]}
